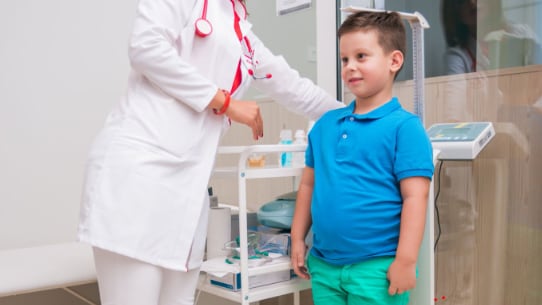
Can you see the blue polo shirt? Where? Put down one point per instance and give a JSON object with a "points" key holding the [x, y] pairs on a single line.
{"points": [[358, 161]]}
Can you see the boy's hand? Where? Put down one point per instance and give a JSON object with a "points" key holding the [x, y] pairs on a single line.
{"points": [[298, 259], [402, 277]]}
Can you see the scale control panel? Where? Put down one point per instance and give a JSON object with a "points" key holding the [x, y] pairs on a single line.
{"points": [[460, 141]]}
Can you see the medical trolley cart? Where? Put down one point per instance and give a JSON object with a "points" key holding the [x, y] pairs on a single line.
{"points": [[242, 173]]}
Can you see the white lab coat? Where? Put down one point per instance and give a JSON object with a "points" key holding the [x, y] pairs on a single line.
{"points": [[145, 192]]}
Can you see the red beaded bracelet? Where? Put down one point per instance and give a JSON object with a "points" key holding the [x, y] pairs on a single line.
{"points": [[225, 105]]}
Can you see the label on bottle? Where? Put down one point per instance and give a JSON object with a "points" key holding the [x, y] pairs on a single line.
{"points": [[286, 157]]}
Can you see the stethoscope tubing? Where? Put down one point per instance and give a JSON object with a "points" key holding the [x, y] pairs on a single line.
{"points": [[204, 28]]}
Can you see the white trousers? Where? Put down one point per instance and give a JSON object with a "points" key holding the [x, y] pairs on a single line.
{"points": [[126, 281]]}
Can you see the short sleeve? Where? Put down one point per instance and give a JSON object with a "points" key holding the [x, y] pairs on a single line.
{"points": [[414, 157]]}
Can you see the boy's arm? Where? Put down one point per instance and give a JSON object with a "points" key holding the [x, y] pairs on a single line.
{"points": [[402, 272], [301, 222]]}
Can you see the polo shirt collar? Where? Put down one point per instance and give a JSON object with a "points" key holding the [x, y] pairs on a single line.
{"points": [[377, 113]]}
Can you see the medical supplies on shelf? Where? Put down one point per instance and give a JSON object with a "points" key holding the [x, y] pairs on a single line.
{"points": [[226, 274]]}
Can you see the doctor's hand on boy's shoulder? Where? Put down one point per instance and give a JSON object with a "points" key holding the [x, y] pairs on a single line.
{"points": [[299, 249]]}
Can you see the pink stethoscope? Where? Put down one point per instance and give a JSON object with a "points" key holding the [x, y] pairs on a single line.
{"points": [[204, 28]]}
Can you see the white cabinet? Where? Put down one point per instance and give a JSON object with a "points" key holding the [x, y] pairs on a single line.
{"points": [[241, 173]]}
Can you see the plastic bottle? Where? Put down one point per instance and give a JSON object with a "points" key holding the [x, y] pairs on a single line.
{"points": [[298, 158], [213, 199], [285, 158]]}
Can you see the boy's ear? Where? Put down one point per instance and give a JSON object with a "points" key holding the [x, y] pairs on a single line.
{"points": [[397, 59]]}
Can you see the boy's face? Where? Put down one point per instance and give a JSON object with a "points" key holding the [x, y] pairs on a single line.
{"points": [[366, 69]]}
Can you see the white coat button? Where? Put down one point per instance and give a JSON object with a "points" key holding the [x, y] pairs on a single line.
{"points": [[351, 119], [345, 136]]}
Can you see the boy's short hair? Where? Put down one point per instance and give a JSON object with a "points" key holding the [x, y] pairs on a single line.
{"points": [[388, 25]]}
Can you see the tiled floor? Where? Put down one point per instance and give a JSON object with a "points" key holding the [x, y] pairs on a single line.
{"points": [[55, 297], [90, 292]]}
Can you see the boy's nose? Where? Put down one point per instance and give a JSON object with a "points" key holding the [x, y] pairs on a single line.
{"points": [[350, 65]]}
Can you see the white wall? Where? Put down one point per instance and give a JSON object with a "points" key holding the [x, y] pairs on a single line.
{"points": [[62, 65], [292, 35]]}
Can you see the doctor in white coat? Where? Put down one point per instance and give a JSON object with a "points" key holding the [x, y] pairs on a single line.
{"points": [[145, 203]]}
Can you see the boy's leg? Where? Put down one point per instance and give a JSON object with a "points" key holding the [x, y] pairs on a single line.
{"points": [[367, 283], [326, 283]]}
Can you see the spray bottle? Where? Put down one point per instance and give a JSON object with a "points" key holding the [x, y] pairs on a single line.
{"points": [[285, 158]]}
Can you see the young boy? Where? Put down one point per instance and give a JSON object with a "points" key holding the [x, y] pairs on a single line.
{"points": [[366, 182]]}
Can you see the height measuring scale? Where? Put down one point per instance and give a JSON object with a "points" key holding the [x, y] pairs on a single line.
{"points": [[424, 293]]}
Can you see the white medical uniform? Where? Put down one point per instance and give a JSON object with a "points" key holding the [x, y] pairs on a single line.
{"points": [[145, 193]]}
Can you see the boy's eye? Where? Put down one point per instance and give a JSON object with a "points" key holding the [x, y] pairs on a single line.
{"points": [[360, 56], [344, 60]]}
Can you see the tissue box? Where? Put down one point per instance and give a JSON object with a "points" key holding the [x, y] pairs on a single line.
{"points": [[228, 276], [232, 281]]}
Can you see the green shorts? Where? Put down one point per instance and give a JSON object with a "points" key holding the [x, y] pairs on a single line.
{"points": [[363, 283]]}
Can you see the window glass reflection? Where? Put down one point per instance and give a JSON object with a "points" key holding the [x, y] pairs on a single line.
{"points": [[480, 37]]}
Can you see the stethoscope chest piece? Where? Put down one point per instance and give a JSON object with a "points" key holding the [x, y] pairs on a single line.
{"points": [[203, 27]]}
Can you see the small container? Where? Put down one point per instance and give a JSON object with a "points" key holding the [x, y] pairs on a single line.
{"points": [[256, 160], [213, 199]]}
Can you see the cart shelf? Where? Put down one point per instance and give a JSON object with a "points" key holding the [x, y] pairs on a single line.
{"points": [[240, 174]]}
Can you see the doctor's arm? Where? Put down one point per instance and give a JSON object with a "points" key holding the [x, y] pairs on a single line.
{"points": [[152, 53], [287, 87]]}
